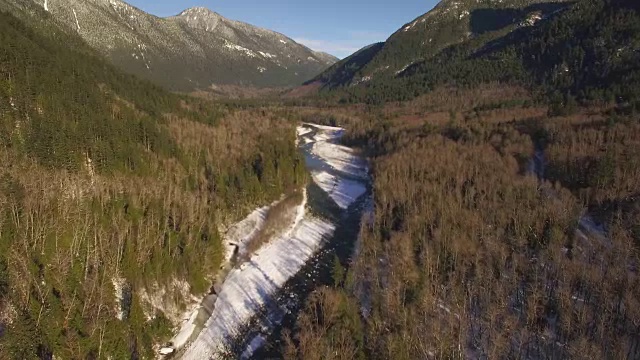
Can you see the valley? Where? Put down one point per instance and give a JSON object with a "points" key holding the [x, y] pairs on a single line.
{"points": [[195, 187], [259, 290]]}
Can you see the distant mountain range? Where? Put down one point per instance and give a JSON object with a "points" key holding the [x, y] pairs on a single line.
{"points": [[196, 49]]}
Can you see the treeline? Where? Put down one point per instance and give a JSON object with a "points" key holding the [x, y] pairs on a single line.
{"points": [[471, 256], [113, 196]]}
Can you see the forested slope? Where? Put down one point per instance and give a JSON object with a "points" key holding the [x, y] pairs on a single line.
{"points": [[112, 197], [506, 219], [197, 49], [469, 255], [585, 50]]}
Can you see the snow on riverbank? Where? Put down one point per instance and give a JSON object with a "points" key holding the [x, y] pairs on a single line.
{"points": [[252, 285], [241, 233], [249, 288], [346, 183], [343, 191], [340, 158], [235, 241]]}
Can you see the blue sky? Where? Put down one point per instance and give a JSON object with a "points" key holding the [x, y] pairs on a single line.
{"points": [[339, 27]]}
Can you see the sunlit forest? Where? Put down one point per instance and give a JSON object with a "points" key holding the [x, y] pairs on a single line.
{"points": [[504, 172]]}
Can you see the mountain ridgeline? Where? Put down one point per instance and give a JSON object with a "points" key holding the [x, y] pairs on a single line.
{"points": [[196, 49], [585, 50]]}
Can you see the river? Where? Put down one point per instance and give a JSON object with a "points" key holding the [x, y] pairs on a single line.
{"points": [[261, 297]]}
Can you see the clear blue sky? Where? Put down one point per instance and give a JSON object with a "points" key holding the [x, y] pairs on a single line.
{"points": [[338, 27]]}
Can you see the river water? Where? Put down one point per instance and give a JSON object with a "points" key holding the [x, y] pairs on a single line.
{"points": [[263, 337], [260, 298]]}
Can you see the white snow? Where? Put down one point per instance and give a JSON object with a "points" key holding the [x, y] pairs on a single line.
{"points": [[365, 79], [343, 191], [282, 41], [348, 184], [232, 46], [46, 6], [267, 55], [404, 68], [301, 131], [339, 157], [246, 290], [240, 234], [181, 338], [261, 69], [410, 26], [118, 287], [76, 16], [236, 237]]}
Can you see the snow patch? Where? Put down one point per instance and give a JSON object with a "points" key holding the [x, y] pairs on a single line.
{"points": [[399, 72], [118, 287], [267, 55], [410, 26], [186, 330], [345, 182], [76, 16], [284, 42], [236, 239], [46, 5], [343, 191], [365, 78], [240, 234], [302, 131], [261, 69], [247, 289], [232, 46], [169, 300], [340, 158]]}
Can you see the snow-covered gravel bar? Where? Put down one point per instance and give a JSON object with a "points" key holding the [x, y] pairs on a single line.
{"points": [[346, 174], [250, 287], [252, 284]]}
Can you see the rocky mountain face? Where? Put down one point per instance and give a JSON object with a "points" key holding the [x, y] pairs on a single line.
{"points": [[196, 49], [450, 22]]}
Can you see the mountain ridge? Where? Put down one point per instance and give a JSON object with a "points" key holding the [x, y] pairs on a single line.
{"points": [[195, 49], [449, 22]]}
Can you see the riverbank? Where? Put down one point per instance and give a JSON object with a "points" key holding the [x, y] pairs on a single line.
{"points": [[253, 281]]}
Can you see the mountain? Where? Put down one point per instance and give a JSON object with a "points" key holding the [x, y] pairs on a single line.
{"points": [[193, 50], [585, 51], [450, 22]]}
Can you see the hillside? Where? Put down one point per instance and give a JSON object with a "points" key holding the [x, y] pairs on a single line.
{"points": [[450, 23], [112, 197], [195, 49]]}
